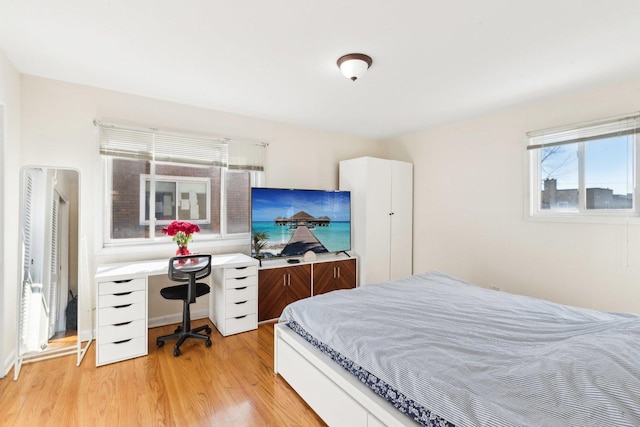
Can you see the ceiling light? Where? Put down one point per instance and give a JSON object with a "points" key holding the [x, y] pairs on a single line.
{"points": [[354, 65]]}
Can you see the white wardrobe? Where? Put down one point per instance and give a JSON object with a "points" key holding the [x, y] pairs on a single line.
{"points": [[381, 216]]}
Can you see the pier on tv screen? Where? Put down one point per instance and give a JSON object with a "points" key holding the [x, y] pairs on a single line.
{"points": [[291, 222]]}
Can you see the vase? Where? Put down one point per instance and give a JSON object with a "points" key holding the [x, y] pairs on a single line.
{"points": [[182, 250]]}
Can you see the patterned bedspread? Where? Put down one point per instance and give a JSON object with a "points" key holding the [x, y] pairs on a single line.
{"points": [[447, 352]]}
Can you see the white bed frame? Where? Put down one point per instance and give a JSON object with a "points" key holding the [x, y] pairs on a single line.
{"points": [[336, 395]]}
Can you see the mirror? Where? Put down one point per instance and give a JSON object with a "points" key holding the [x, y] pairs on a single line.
{"points": [[49, 245]]}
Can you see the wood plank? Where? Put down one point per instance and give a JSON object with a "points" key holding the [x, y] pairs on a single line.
{"points": [[230, 383]]}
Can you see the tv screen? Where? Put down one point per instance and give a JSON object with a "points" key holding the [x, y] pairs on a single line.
{"points": [[292, 222]]}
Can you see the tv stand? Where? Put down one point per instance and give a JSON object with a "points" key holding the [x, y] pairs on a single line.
{"points": [[281, 283]]}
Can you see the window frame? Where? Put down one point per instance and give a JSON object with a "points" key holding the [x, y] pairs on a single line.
{"points": [[161, 147], [144, 178], [580, 134]]}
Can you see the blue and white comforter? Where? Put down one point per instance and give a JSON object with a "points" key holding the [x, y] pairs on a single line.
{"points": [[447, 352]]}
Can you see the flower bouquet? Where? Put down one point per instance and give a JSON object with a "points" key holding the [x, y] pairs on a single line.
{"points": [[182, 234]]}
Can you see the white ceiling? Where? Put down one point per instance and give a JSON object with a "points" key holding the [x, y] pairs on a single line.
{"points": [[433, 61]]}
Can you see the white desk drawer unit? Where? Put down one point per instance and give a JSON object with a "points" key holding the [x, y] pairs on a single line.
{"points": [[234, 305], [121, 320]]}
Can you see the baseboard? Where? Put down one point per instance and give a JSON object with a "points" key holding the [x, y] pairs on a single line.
{"points": [[172, 319], [8, 364]]}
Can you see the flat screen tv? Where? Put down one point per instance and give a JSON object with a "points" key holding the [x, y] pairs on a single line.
{"points": [[292, 222]]}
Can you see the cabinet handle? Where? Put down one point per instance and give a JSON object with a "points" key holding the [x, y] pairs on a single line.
{"points": [[391, 213], [241, 268], [338, 268], [122, 342], [240, 317], [334, 272], [284, 280], [241, 302], [121, 294], [239, 289], [289, 279], [122, 281], [122, 306], [122, 324], [241, 278]]}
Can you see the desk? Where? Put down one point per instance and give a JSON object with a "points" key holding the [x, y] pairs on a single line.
{"points": [[122, 302]]}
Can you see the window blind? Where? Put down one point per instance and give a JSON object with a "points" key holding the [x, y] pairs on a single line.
{"points": [[615, 126], [151, 144], [248, 156]]}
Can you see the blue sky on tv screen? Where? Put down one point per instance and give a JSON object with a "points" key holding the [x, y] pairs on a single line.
{"points": [[270, 203]]}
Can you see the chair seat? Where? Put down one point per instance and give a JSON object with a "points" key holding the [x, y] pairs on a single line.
{"points": [[180, 291]]}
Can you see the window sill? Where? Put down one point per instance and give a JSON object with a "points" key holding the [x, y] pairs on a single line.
{"points": [[155, 250], [581, 218]]}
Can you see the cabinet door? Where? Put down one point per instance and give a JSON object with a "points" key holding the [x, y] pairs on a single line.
{"points": [[278, 287], [329, 276]]}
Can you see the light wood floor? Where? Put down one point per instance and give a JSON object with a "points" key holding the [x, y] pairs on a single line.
{"points": [[228, 384]]}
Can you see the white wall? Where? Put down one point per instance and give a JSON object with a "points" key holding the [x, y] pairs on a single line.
{"points": [[58, 130], [9, 196], [469, 221]]}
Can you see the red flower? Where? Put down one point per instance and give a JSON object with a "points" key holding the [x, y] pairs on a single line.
{"points": [[181, 232], [175, 227]]}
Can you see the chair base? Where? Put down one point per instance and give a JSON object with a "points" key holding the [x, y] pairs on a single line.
{"points": [[182, 336]]}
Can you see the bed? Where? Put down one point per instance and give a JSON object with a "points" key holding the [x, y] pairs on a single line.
{"points": [[433, 350]]}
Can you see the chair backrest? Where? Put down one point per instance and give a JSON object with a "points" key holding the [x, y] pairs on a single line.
{"points": [[188, 268]]}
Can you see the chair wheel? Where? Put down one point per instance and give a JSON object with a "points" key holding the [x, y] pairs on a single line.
{"points": [[159, 343], [207, 343], [176, 351], [208, 330]]}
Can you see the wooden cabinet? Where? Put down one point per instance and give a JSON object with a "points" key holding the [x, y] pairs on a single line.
{"points": [[381, 216], [330, 276], [278, 287]]}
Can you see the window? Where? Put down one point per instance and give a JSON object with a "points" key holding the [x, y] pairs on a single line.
{"points": [[585, 170], [182, 198], [153, 178]]}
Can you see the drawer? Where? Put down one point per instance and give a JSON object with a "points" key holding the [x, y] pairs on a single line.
{"points": [[122, 331], [122, 298], [241, 308], [245, 323], [239, 282], [249, 270], [105, 288], [116, 351], [240, 294], [121, 314]]}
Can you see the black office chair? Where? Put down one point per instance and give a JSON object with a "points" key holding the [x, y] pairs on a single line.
{"points": [[190, 269]]}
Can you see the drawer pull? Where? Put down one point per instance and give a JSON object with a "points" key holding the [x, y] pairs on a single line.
{"points": [[121, 324], [122, 342], [241, 278], [121, 294], [122, 281], [240, 289], [122, 306], [240, 317], [241, 268], [241, 302]]}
